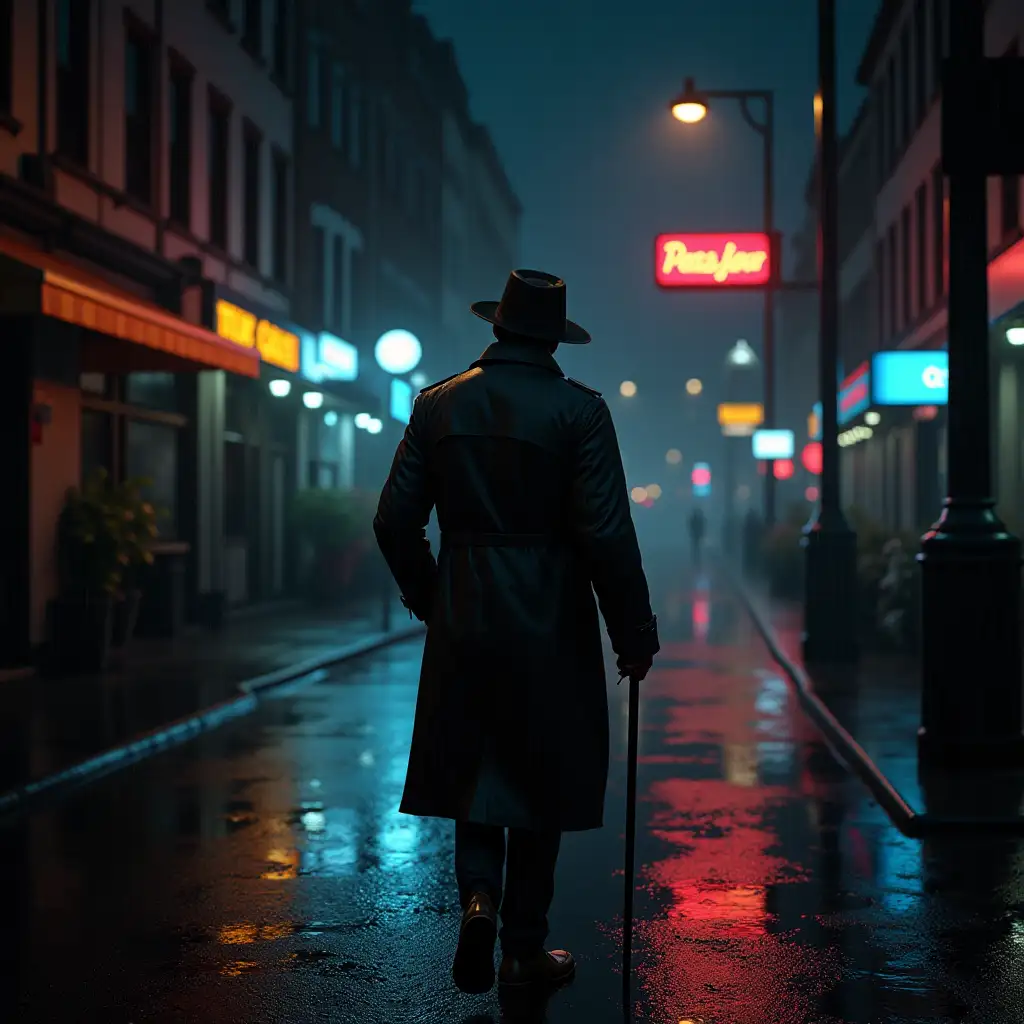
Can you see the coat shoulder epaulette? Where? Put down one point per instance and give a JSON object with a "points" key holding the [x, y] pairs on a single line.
{"points": [[438, 383], [584, 387]]}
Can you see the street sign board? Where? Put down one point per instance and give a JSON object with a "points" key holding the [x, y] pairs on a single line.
{"points": [[736, 414], [773, 444], [910, 378]]}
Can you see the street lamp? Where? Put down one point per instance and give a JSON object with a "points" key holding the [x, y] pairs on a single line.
{"points": [[830, 579], [627, 389], [740, 358], [690, 107], [741, 354]]}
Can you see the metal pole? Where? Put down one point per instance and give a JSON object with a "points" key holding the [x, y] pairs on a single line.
{"points": [[970, 563], [830, 619], [629, 872], [769, 303]]}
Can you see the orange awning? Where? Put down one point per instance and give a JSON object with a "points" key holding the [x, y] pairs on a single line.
{"points": [[164, 341]]}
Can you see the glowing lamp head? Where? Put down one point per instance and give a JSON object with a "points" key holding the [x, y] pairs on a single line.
{"points": [[689, 106], [1015, 336], [312, 399], [673, 456], [280, 388], [398, 352], [742, 354], [375, 426], [627, 389], [330, 418], [362, 420], [694, 386]]}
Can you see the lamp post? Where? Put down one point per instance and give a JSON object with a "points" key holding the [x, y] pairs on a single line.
{"points": [[970, 564], [741, 357], [690, 107], [830, 629]]}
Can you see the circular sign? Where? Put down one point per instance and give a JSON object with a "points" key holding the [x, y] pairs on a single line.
{"points": [[810, 457], [783, 469], [398, 351]]}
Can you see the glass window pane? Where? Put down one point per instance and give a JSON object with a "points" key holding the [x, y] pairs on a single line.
{"points": [[152, 390], [151, 450]]}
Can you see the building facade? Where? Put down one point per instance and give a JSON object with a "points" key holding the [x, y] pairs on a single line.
{"points": [[900, 468], [480, 216]]}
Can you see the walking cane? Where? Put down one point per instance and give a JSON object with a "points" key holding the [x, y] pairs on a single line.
{"points": [[630, 869]]}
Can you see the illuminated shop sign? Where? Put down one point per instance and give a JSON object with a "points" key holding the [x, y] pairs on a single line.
{"points": [[855, 393], [275, 345], [773, 444], [713, 261], [401, 400], [327, 357], [814, 422], [910, 378], [741, 414]]}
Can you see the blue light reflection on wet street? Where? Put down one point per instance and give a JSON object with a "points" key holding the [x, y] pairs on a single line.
{"points": [[262, 873]]}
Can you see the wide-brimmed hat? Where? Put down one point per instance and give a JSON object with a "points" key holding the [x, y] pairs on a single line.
{"points": [[533, 304]]}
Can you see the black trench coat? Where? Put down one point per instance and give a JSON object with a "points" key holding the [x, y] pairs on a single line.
{"points": [[523, 467]]}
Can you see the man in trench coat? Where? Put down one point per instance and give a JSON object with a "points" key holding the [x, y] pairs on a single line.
{"points": [[511, 727]]}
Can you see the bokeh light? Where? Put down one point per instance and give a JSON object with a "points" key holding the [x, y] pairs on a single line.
{"points": [[673, 456], [811, 494], [653, 491], [639, 494], [694, 386], [627, 389]]}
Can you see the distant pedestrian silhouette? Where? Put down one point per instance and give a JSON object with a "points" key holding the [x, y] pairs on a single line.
{"points": [[698, 526]]}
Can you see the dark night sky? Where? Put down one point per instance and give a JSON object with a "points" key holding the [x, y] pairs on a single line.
{"points": [[575, 94]]}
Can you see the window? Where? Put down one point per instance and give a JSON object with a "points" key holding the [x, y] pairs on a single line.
{"points": [[251, 197], [337, 106], [891, 143], [906, 269], [282, 35], [938, 232], [355, 124], [180, 144], [906, 127], [252, 32], [920, 61], [152, 390], [151, 451], [319, 283], [280, 217], [921, 256], [892, 267], [6, 55], [139, 68], [338, 296], [97, 448], [313, 89], [938, 42], [219, 151], [72, 20]]}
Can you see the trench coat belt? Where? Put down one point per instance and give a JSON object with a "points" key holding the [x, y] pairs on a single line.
{"points": [[470, 539]]}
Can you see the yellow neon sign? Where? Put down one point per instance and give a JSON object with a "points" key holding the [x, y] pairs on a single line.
{"points": [[275, 345], [741, 414]]}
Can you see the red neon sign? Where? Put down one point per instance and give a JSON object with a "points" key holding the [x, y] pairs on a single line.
{"points": [[853, 392], [723, 260], [700, 477], [811, 457], [783, 469]]}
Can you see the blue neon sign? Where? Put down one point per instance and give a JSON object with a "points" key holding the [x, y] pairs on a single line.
{"points": [[401, 400], [910, 378], [855, 393]]}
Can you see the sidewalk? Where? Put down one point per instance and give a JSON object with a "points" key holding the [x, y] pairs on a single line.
{"points": [[48, 725], [878, 702]]}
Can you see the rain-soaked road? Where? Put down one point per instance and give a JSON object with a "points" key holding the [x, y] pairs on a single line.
{"points": [[263, 874]]}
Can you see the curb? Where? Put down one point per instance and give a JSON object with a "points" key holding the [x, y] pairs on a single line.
{"points": [[852, 756], [182, 730]]}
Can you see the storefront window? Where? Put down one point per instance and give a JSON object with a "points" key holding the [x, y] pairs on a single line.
{"points": [[151, 451], [94, 383], [152, 390]]}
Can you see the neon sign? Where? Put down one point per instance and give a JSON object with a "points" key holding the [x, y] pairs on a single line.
{"points": [[713, 261], [910, 378], [275, 345], [855, 393]]}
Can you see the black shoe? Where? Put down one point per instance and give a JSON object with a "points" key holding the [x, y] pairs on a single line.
{"points": [[546, 968], [473, 967]]}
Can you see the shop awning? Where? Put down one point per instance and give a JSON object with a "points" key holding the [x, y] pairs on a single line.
{"points": [[158, 339]]}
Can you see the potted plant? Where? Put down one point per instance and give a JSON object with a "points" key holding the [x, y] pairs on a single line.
{"points": [[91, 563], [336, 528], [137, 532]]}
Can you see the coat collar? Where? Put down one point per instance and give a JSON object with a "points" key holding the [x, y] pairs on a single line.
{"points": [[513, 352]]}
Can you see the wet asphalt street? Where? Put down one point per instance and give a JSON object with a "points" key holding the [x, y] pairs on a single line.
{"points": [[263, 874]]}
